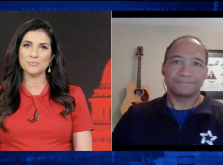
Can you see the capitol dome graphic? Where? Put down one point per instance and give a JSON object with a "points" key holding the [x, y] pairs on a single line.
{"points": [[101, 112]]}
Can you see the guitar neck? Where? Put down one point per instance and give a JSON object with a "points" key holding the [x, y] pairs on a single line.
{"points": [[135, 93], [139, 73]]}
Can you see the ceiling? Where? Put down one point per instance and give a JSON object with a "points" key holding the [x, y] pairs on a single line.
{"points": [[200, 22]]}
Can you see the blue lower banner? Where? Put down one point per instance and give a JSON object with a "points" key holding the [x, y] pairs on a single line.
{"points": [[113, 157]]}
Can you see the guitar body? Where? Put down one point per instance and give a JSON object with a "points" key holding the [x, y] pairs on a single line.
{"points": [[135, 95]]}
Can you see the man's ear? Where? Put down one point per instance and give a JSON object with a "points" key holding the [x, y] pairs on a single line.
{"points": [[206, 73], [162, 70]]}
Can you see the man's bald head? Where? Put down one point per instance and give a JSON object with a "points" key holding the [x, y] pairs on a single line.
{"points": [[186, 37]]}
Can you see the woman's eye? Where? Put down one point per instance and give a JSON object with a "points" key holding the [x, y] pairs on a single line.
{"points": [[26, 45], [44, 47]]}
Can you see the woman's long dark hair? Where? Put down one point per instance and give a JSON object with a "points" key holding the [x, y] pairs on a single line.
{"points": [[58, 81]]}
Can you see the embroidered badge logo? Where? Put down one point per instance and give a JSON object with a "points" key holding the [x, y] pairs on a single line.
{"points": [[207, 138]]}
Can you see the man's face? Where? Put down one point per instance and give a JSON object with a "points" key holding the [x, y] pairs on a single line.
{"points": [[185, 68]]}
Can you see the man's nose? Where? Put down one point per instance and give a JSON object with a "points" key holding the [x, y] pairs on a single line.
{"points": [[186, 70]]}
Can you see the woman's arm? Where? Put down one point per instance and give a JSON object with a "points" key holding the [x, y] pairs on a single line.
{"points": [[82, 141]]}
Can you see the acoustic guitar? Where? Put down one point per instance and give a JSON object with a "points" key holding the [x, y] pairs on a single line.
{"points": [[135, 92]]}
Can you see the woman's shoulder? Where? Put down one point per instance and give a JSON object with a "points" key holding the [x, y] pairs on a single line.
{"points": [[75, 90]]}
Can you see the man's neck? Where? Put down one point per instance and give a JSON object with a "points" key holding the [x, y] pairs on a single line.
{"points": [[184, 102]]}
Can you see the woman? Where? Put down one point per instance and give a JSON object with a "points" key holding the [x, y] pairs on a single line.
{"points": [[39, 110]]}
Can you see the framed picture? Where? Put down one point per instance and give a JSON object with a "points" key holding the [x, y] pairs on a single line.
{"points": [[213, 85]]}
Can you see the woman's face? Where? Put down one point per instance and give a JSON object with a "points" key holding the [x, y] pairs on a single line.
{"points": [[35, 53]]}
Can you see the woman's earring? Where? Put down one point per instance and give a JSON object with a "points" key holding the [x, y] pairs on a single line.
{"points": [[49, 70]]}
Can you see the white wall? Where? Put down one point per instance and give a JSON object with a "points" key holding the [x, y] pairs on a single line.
{"points": [[154, 39]]}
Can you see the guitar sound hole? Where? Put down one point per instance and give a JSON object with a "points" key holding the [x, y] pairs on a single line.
{"points": [[138, 92]]}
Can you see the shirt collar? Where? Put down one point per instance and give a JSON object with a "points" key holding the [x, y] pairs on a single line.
{"points": [[204, 108]]}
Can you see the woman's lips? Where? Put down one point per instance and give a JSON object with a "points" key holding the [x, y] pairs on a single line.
{"points": [[33, 63]]}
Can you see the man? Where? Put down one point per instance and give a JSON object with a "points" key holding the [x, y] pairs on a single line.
{"points": [[183, 115]]}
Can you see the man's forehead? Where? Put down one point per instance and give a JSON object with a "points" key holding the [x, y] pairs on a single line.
{"points": [[187, 45], [186, 41]]}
